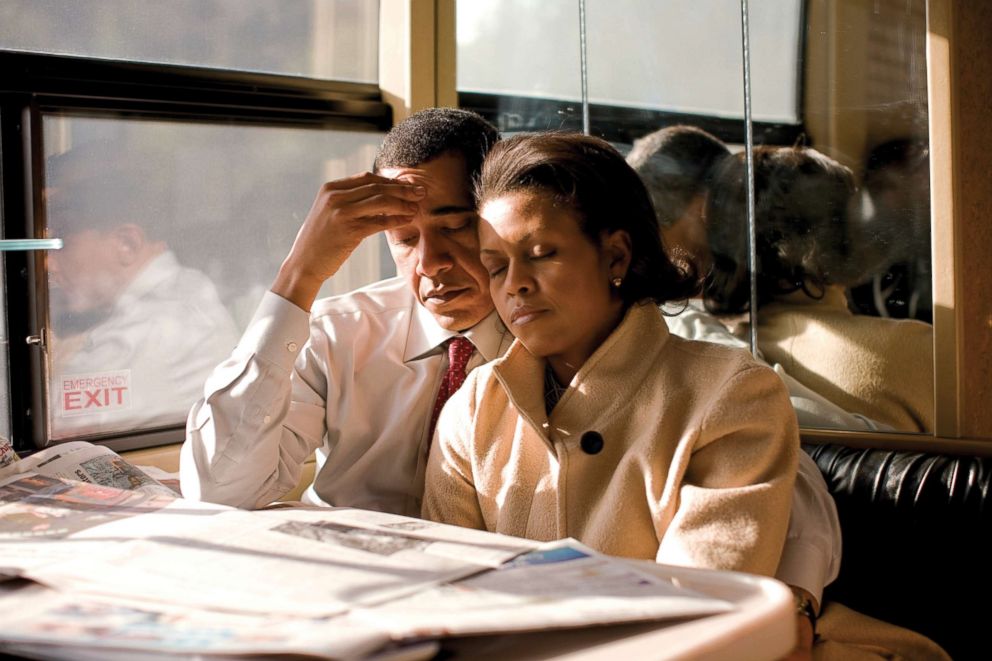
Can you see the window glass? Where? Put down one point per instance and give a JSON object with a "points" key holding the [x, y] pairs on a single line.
{"points": [[172, 232], [328, 39], [519, 48], [843, 220], [515, 54], [5, 446], [685, 56], [680, 56]]}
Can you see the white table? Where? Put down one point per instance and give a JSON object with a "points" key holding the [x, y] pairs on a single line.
{"points": [[761, 628]]}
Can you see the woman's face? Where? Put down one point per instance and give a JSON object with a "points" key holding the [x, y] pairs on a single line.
{"points": [[549, 282]]}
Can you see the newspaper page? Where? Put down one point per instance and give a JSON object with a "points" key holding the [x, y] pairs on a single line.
{"points": [[45, 520], [7, 454], [303, 563], [45, 622], [174, 565], [86, 462], [563, 584]]}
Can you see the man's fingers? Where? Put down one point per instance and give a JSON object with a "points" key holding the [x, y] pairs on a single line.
{"points": [[390, 187], [356, 180], [380, 205]]}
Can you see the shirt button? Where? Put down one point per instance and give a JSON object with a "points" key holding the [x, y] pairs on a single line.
{"points": [[291, 346], [591, 442]]}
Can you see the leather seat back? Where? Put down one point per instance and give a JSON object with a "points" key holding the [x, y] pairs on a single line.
{"points": [[917, 538]]}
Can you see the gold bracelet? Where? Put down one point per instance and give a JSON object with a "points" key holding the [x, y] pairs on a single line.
{"points": [[804, 606]]}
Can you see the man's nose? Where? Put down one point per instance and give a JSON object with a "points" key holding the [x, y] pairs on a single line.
{"points": [[435, 256]]}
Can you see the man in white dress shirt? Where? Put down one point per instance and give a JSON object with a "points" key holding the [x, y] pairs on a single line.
{"points": [[354, 377], [135, 332]]}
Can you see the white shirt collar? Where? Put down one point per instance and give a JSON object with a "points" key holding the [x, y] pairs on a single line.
{"points": [[426, 335], [150, 278]]}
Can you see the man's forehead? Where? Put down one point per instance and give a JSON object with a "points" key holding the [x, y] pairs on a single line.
{"points": [[448, 167], [446, 186]]}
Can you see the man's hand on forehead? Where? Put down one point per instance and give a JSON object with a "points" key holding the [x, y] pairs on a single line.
{"points": [[345, 212], [384, 202], [412, 176]]}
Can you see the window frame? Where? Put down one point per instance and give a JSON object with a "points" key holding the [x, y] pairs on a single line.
{"points": [[34, 83], [622, 124]]}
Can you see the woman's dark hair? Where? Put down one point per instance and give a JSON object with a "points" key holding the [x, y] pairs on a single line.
{"points": [[590, 177], [801, 203]]}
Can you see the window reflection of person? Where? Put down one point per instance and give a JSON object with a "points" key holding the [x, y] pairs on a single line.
{"points": [[658, 448], [894, 227], [677, 164], [121, 302], [879, 368]]}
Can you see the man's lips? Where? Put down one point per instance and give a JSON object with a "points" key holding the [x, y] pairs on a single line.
{"points": [[444, 294], [525, 314]]}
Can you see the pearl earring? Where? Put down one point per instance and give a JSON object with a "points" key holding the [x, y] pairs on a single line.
{"points": [[616, 282]]}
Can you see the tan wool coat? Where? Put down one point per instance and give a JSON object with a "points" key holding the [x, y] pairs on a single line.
{"points": [[880, 368], [698, 458]]}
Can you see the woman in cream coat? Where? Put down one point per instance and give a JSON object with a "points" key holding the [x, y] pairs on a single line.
{"points": [[879, 368], [597, 424]]}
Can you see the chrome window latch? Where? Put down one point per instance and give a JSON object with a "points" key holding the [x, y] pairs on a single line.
{"points": [[16, 245]]}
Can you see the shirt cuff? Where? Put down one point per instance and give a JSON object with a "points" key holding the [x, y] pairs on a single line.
{"points": [[277, 332], [804, 566]]}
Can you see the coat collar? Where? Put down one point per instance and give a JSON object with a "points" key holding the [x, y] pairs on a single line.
{"points": [[601, 387]]}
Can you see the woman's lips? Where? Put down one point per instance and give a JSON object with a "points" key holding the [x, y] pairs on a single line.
{"points": [[525, 315]]}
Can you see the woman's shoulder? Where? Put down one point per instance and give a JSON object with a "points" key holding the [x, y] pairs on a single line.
{"points": [[709, 354], [720, 370]]}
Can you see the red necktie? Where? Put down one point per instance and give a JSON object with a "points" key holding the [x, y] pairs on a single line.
{"points": [[459, 351]]}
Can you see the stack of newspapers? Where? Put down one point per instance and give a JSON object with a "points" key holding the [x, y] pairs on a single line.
{"points": [[98, 560]]}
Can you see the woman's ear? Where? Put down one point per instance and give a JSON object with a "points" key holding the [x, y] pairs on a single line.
{"points": [[617, 250]]}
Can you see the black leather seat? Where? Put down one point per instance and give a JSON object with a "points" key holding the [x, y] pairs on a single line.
{"points": [[917, 534]]}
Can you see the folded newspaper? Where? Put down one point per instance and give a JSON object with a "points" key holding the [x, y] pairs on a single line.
{"points": [[91, 569]]}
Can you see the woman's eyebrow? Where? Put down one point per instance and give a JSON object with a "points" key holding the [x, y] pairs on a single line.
{"points": [[523, 238], [451, 209]]}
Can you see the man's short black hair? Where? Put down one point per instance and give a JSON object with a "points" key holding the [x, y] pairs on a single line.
{"points": [[427, 134], [676, 164]]}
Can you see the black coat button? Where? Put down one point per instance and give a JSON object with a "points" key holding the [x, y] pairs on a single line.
{"points": [[591, 442]]}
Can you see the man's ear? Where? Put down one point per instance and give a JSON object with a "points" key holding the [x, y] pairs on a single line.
{"points": [[617, 249], [129, 243]]}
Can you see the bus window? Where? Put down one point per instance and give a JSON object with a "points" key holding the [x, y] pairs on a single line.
{"points": [[174, 148]]}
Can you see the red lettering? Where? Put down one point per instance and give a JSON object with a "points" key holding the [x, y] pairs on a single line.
{"points": [[92, 398], [120, 394], [71, 401]]}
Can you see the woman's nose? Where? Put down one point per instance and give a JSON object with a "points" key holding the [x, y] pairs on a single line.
{"points": [[518, 279]]}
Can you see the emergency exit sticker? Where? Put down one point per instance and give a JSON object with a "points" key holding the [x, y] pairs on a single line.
{"points": [[100, 392]]}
